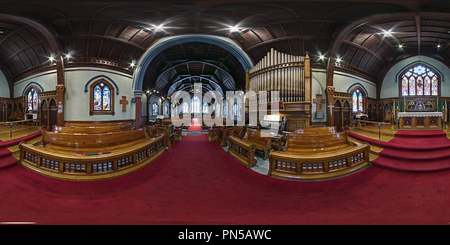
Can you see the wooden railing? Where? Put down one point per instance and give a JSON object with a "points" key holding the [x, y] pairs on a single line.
{"points": [[90, 166], [243, 152], [320, 166], [355, 121], [12, 124]]}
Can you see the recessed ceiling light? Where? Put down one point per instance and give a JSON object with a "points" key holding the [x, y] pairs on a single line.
{"points": [[338, 59], [321, 57], [438, 45]]}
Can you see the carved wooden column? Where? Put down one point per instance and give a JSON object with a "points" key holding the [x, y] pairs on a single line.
{"points": [[138, 95], [60, 91], [330, 94]]}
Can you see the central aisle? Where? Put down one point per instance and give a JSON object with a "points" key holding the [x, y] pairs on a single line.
{"points": [[195, 128]]}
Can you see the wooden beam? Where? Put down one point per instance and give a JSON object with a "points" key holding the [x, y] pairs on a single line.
{"points": [[365, 50], [417, 19]]}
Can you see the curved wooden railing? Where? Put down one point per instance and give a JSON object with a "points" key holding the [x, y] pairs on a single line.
{"points": [[120, 160], [319, 163]]}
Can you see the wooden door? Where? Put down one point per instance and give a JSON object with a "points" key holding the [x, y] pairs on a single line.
{"points": [[346, 114], [44, 114], [337, 115], [53, 113]]}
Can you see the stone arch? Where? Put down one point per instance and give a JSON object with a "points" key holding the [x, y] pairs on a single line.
{"points": [[167, 42]]}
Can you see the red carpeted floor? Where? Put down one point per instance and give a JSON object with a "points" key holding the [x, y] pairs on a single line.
{"points": [[196, 182], [195, 127], [417, 151]]}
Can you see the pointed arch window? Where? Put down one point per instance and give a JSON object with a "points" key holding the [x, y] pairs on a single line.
{"points": [[102, 98], [185, 108], [357, 101], [205, 107], [166, 110], [195, 105], [155, 109], [419, 80], [32, 99]]}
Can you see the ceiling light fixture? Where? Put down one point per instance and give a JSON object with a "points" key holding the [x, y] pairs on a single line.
{"points": [[234, 29], [159, 28], [387, 33], [438, 45], [322, 57], [338, 60]]}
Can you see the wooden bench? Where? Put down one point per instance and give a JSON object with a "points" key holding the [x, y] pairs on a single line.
{"points": [[321, 156], [242, 151], [98, 124], [261, 143], [238, 131], [320, 130], [91, 157], [91, 129]]}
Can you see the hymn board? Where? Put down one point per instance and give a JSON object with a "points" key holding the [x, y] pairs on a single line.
{"points": [[291, 76]]}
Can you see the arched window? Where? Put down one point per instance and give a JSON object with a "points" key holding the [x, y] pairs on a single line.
{"points": [[166, 110], [205, 107], [185, 108], [419, 80], [102, 98], [155, 109], [195, 105], [236, 111], [225, 108], [357, 101], [32, 99]]}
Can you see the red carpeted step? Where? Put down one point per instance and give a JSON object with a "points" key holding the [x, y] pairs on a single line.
{"points": [[411, 166], [6, 159], [413, 155]]}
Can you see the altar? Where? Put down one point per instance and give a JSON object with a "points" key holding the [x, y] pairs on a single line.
{"points": [[419, 120]]}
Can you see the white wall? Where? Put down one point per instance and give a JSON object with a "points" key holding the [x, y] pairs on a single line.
{"points": [[390, 86], [77, 100], [4, 86], [47, 80]]}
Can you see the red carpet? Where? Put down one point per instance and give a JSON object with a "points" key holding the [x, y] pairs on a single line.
{"points": [[195, 127], [413, 151], [197, 183], [6, 158]]}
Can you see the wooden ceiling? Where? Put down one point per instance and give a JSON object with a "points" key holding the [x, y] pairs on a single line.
{"points": [[118, 33]]}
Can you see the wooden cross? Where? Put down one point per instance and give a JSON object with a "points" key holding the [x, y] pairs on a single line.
{"points": [[318, 102], [124, 103]]}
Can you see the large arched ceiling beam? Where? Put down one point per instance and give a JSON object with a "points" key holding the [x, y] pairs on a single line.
{"points": [[170, 41]]}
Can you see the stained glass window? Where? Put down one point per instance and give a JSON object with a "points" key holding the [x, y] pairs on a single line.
{"points": [[235, 109], [166, 110], [185, 107], [225, 108], [102, 97], [155, 109], [205, 107], [357, 101], [30, 101], [419, 80], [195, 105]]}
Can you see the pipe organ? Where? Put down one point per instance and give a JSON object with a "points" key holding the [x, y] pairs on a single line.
{"points": [[289, 75]]}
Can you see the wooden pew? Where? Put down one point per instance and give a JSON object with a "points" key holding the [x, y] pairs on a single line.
{"points": [[91, 157], [261, 143], [238, 131], [315, 157], [242, 151], [320, 130], [91, 129]]}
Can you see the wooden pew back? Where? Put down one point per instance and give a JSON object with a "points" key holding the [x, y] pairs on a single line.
{"points": [[321, 130], [238, 131], [90, 129], [92, 140], [316, 142], [255, 136], [105, 124]]}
